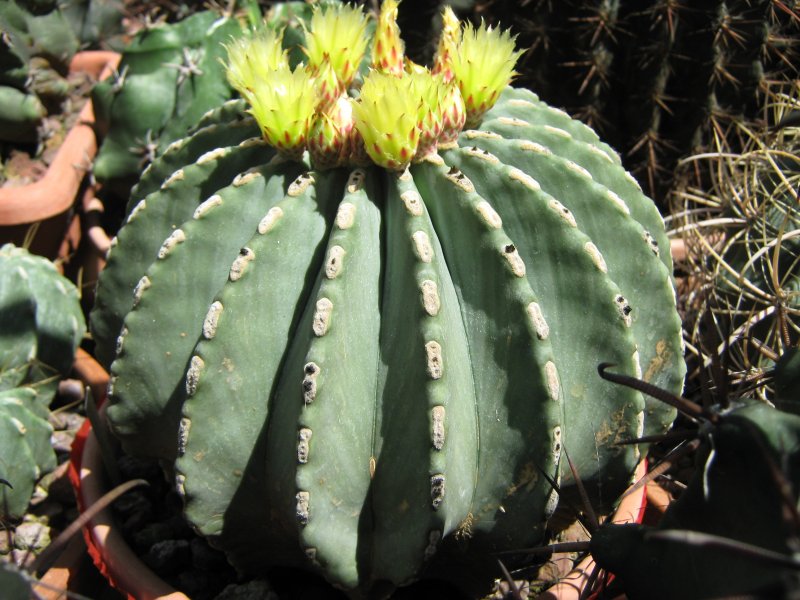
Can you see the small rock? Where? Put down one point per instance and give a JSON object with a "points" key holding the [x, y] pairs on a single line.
{"points": [[23, 558], [66, 420], [31, 535], [503, 590], [169, 556], [61, 440], [5, 543]]}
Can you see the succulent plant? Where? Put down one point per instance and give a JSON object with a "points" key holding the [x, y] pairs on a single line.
{"points": [[38, 41], [738, 216], [365, 349], [25, 450], [94, 21], [35, 50], [42, 324], [169, 75], [14, 582]]}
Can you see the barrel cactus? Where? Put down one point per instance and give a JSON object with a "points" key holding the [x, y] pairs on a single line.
{"points": [[363, 330]]}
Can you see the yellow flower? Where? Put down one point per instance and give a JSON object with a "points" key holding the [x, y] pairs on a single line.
{"points": [[329, 86], [431, 90], [387, 116], [338, 33], [254, 56], [282, 103], [454, 114], [483, 65]]}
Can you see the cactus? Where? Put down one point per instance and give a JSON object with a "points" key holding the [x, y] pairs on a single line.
{"points": [[35, 50], [94, 21], [42, 322], [25, 450], [365, 358], [42, 326], [15, 584], [655, 77], [737, 213], [716, 539], [169, 75], [38, 42]]}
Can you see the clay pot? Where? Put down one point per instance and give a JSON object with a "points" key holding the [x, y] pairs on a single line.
{"points": [[109, 551], [50, 201]]}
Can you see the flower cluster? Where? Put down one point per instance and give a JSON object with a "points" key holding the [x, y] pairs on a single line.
{"points": [[402, 112]]}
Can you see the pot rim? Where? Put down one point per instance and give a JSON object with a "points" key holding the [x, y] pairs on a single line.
{"points": [[57, 190]]}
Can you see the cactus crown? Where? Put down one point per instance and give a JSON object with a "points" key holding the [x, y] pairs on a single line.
{"points": [[403, 110]]}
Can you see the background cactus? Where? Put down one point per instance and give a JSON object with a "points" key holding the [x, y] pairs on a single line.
{"points": [[35, 50], [657, 77], [39, 40], [738, 215], [42, 324], [371, 371], [169, 75]]}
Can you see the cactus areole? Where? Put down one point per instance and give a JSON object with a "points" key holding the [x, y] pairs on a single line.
{"points": [[364, 319]]}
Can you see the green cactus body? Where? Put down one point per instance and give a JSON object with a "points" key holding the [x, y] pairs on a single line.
{"points": [[25, 450], [352, 366], [42, 321], [41, 327], [168, 77], [35, 51], [386, 300], [94, 21], [22, 114]]}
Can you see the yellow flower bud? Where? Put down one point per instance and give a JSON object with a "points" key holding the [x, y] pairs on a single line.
{"points": [[388, 48], [330, 140], [448, 42], [283, 104], [483, 66], [387, 116], [338, 34], [253, 56]]}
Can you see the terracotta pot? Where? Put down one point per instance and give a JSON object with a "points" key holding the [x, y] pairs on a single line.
{"points": [[108, 550], [49, 202]]}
